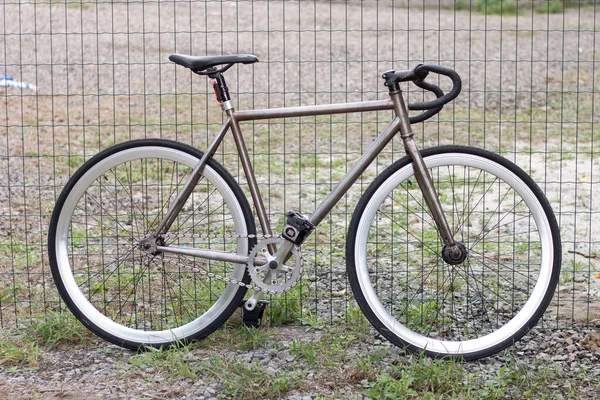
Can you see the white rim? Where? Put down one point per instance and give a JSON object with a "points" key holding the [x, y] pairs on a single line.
{"points": [[520, 319], [64, 266]]}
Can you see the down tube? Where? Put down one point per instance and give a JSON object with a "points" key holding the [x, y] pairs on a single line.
{"points": [[361, 165]]}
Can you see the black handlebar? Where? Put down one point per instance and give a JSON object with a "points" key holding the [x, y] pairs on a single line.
{"points": [[417, 76]]}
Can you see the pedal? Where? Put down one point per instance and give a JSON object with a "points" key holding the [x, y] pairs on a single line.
{"points": [[253, 318]]}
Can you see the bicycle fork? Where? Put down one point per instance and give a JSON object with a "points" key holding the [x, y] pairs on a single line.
{"points": [[453, 252]]}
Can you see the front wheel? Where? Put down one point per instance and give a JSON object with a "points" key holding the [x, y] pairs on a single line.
{"points": [[472, 309], [133, 297]]}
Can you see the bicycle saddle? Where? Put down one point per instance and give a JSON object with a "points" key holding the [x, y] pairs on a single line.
{"points": [[201, 63]]}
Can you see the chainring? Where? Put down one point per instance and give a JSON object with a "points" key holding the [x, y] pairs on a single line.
{"points": [[279, 279]]}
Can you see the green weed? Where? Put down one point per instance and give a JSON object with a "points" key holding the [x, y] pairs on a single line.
{"points": [[57, 328], [496, 7], [304, 350], [18, 353], [550, 7], [172, 361], [248, 381], [286, 307]]}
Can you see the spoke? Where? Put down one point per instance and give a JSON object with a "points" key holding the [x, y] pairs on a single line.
{"points": [[492, 261], [130, 195], [461, 223], [101, 207], [479, 201], [139, 275], [412, 212], [170, 196], [497, 226], [483, 285], [196, 209], [455, 205], [425, 247], [425, 278], [118, 260], [182, 257], [101, 226], [417, 201]]}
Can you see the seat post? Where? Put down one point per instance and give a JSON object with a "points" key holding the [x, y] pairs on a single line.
{"points": [[221, 90]]}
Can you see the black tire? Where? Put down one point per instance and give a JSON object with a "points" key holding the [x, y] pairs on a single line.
{"points": [[427, 305], [102, 300]]}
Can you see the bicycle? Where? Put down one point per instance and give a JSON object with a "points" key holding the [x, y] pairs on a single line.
{"points": [[452, 251]]}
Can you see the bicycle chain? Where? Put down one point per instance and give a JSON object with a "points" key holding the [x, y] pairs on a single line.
{"points": [[234, 281]]}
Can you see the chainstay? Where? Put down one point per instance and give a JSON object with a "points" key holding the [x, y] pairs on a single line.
{"points": [[225, 279]]}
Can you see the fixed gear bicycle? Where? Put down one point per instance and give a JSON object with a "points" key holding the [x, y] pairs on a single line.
{"points": [[452, 251]]}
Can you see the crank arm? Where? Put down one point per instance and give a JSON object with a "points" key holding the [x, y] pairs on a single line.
{"points": [[256, 296]]}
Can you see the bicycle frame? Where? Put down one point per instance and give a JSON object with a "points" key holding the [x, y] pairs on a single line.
{"points": [[399, 124]]}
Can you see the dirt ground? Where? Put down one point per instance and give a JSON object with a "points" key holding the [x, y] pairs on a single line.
{"points": [[103, 76]]}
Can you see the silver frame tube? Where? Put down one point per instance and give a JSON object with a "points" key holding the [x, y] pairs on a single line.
{"points": [[210, 254], [307, 111], [190, 184], [361, 165], [399, 123]]}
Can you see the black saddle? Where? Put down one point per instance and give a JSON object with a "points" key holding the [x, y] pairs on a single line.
{"points": [[200, 64]]}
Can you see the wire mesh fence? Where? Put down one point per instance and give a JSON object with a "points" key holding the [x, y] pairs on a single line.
{"points": [[80, 76]]}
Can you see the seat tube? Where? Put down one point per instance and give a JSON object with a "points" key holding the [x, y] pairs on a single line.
{"points": [[222, 94], [421, 173], [249, 172]]}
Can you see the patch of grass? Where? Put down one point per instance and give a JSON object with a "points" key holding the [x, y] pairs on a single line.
{"points": [[239, 337], [357, 323], [311, 319], [248, 381], [15, 352], [550, 7], [460, 5], [22, 253], [421, 377], [328, 353], [75, 161], [57, 329], [286, 308], [172, 362], [496, 7], [304, 350]]}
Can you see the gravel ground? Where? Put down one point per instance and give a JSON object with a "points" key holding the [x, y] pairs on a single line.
{"points": [[103, 371]]}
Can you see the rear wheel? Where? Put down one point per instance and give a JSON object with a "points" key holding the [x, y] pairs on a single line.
{"points": [[477, 307], [133, 297]]}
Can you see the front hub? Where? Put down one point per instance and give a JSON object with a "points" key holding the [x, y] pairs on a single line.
{"points": [[454, 255]]}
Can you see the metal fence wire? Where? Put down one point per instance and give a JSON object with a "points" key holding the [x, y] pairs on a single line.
{"points": [[80, 76]]}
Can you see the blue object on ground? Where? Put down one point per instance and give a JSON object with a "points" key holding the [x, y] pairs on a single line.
{"points": [[7, 80]]}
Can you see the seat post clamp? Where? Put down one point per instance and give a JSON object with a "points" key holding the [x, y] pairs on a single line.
{"points": [[227, 105]]}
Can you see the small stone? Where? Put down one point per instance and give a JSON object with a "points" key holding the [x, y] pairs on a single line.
{"points": [[592, 341], [571, 348], [569, 340]]}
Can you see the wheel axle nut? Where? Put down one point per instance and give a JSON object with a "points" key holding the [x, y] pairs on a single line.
{"points": [[454, 255]]}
